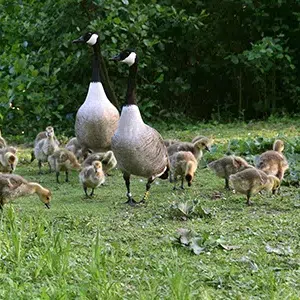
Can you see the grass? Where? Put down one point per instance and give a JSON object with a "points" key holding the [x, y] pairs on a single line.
{"points": [[100, 248]]}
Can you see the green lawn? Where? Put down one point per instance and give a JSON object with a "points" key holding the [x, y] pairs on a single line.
{"points": [[102, 249]]}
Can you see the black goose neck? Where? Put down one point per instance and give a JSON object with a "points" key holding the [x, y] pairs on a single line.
{"points": [[96, 63], [131, 86]]}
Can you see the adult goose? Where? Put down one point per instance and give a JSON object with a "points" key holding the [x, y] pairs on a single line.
{"points": [[139, 149], [97, 118]]}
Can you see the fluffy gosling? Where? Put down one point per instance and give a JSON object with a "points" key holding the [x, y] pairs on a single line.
{"points": [[92, 176], [8, 159], [196, 148], [183, 164], [45, 147], [273, 162], [251, 181], [74, 146], [107, 159], [228, 165], [63, 160], [170, 142], [14, 186]]}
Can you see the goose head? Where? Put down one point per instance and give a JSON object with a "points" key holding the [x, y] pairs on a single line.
{"points": [[278, 146], [49, 131], [127, 56], [90, 38]]}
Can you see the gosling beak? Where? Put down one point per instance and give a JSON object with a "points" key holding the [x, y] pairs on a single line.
{"points": [[47, 205], [79, 40], [207, 148], [189, 183], [274, 192], [116, 58], [12, 168]]}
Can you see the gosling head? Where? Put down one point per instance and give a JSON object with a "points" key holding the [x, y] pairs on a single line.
{"points": [[204, 143], [97, 166], [90, 38], [127, 56], [278, 146], [45, 196], [49, 131], [189, 179]]}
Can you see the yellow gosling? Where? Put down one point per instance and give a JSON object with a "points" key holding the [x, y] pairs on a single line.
{"points": [[251, 181], [228, 165], [14, 186], [63, 160], [183, 164], [8, 159], [92, 176], [273, 162]]}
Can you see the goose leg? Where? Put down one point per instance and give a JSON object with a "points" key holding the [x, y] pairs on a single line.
{"points": [[92, 193], [40, 167], [85, 191], [181, 186], [248, 198], [50, 169], [227, 184], [148, 186], [67, 176], [130, 200], [57, 176]]}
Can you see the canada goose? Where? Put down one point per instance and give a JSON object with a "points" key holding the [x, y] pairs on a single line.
{"points": [[63, 160], [139, 149], [8, 159], [196, 148], [273, 162], [13, 186], [97, 118], [3, 143], [183, 164], [92, 176], [74, 146], [170, 142], [252, 180], [107, 159], [43, 135], [228, 165], [45, 147]]}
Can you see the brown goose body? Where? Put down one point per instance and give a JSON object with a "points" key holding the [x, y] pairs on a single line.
{"points": [[252, 180], [273, 162], [139, 149], [14, 186]]}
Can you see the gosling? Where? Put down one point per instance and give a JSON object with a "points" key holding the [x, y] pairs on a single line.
{"points": [[3, 143], [107, 159], [273, 162], [43, 135], [170, 142], [14, 186], [92, 176], [45, 147], [252, 180], [8, 159], [74, 146], [196, 148], [228, 165], [63, 160], [183, 164]]}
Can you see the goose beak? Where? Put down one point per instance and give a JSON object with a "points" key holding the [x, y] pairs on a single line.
{"points": [[116, 58], [207, 148], [12, 168], [79, 40], [47, 205]]}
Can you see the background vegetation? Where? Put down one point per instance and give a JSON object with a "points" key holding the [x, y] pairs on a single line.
{"points": [[206, 59]]}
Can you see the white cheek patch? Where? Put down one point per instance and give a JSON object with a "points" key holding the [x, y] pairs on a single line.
{"points": [[130, 59], [93, 39]]}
